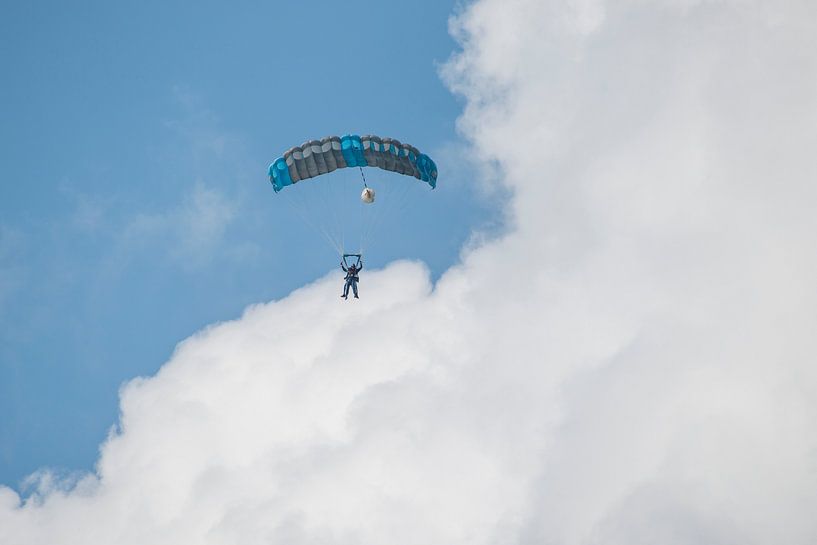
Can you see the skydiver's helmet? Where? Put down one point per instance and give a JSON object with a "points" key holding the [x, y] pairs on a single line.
{"points": [[367, 196]]}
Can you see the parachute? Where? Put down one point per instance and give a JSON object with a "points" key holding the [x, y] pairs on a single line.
{"points": [[328, 206], [330, 153]]}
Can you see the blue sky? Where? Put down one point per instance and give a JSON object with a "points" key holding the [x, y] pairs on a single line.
{"points": [[629, 358], [134, 206]]}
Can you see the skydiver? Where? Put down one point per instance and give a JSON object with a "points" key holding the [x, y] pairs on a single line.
{"points": [[351, 278]]}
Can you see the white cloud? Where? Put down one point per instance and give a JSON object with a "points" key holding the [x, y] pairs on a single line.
{"points": [[633, 363]]}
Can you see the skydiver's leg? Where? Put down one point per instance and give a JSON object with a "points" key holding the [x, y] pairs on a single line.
{"points": [[345, 290], [354, 289]]}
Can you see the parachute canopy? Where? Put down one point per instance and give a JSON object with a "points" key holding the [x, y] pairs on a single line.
{"points": [[322, 156]]}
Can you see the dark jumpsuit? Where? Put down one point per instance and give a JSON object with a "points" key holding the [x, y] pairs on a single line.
{"points": [[351, 279]]}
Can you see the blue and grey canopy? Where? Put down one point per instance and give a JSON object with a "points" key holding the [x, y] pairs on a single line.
{"points": [[322, 156]]}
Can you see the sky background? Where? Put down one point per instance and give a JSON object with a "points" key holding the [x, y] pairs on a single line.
{"points": [[599, 330], [134, 204]]}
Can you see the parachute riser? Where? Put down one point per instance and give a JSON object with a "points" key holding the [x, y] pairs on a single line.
{"points": [[358, 259]]}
